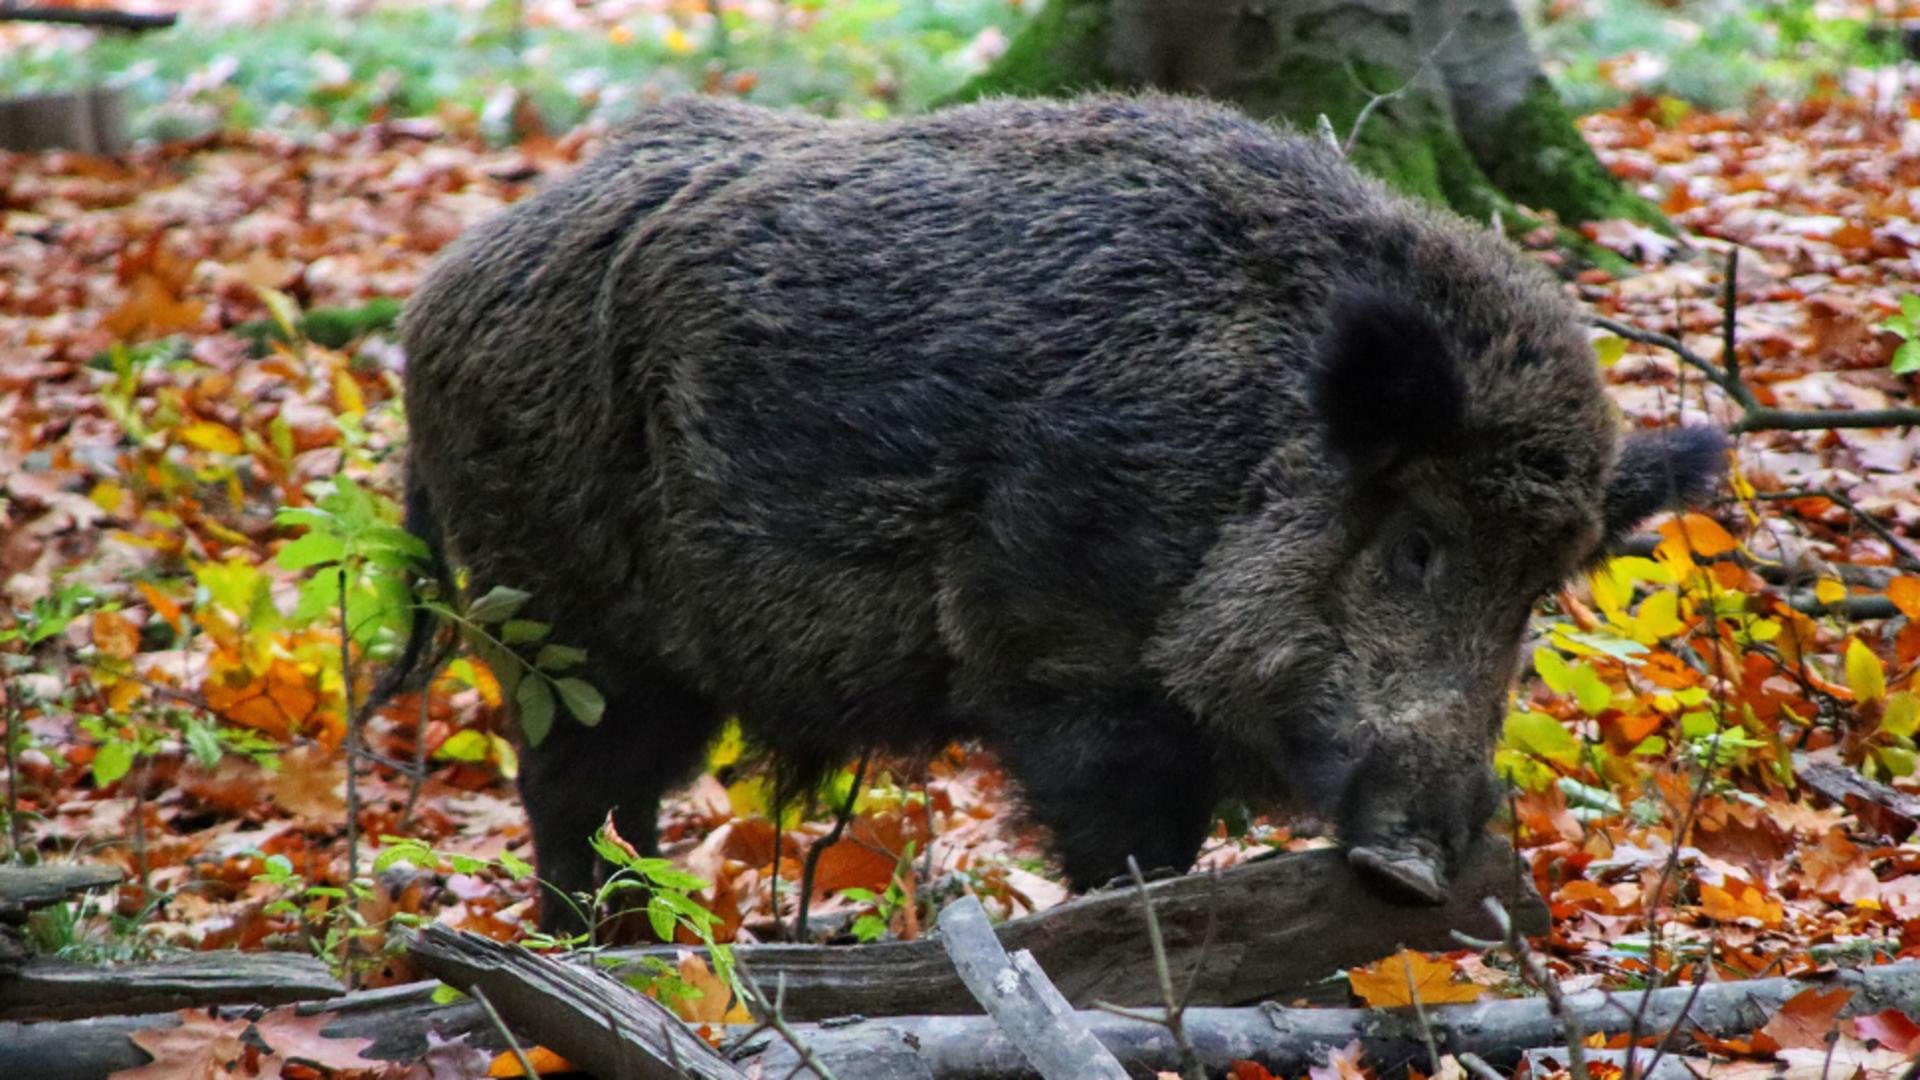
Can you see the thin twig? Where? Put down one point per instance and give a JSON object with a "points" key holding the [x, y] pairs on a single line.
{"points": [[767, 1016], [1420, 1014], [1374, 100], [418, 776], [1903, 554], [353, 738], [1755, 416], [513, 1044], [820, 846], [1173, 1014], [1673, 1029], [14, 713], [1729, 305], [1534, 971]]}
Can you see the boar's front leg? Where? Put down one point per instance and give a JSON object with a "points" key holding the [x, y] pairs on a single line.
{"points": [[1112, 777], [649, 739]]}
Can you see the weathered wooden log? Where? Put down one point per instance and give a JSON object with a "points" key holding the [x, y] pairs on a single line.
{"points": [[29, 888], [1845, 786], [1022, 1000], [1283, 923], [1292, 1040], [398, 1021], [575, 1010], [47, 989]]}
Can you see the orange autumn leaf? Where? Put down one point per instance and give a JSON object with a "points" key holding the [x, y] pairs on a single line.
{"points": [[1248, 1070], [151, 310], [162, 604], [716, 1003], [282, 701], [1905, 594], [543, 1060], [115, 635], [1696, 534], [1398, 979], [1723, 905]]}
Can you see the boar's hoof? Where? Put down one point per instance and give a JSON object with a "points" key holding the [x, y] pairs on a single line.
{"points": [[1410, 877]]}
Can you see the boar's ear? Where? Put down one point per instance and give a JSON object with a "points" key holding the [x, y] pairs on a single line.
{"points": [[1386, 384], [1656, 470]]}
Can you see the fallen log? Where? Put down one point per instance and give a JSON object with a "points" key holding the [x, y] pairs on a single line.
{"points": [[1844, 786], [1292, 1040], [971, 1048], [47, 989], [24, 889], [1021, 999], [575, 1010], [1280, 924]]}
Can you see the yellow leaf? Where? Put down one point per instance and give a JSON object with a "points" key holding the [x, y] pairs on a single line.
{"points": [[207, 435], [1903, 714], [1396, 980], [1864, 674], [678, 43], [107, 495], [1608, 350], [346, 393], [1659, 617], [1830, 591]]}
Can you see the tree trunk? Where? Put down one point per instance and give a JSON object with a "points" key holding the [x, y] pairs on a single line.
{"points": [[1444, 99]]}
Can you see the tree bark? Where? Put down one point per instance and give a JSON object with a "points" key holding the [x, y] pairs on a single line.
{"points": [[1444, 99]]}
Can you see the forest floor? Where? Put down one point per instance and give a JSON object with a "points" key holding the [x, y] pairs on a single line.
{"points": [[191, 340]]}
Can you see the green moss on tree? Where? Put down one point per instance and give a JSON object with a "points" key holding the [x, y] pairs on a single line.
{"points": [[1536, 156], [1061, 52]]}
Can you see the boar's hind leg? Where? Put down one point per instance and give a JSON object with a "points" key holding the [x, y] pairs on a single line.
{"points": [[1115, 780], [649, 739]]}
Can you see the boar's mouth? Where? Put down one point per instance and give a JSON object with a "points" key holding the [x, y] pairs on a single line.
{"points": [[1408, 876]]}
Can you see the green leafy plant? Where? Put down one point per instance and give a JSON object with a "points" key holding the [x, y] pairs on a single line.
{"points": [[873, 925], [497, 637], [1906, 358]]}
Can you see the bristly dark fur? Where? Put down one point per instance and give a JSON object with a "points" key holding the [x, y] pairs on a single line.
{"points": [[999, 423], [1386, 384], [1662, 468]]}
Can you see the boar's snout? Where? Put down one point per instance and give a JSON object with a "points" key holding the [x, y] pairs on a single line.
{"points": [[1409, 837]]}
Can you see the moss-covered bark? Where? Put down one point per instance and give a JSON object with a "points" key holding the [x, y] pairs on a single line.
{"points": [[1536, 158], [1536, 155], [1062, 51]]}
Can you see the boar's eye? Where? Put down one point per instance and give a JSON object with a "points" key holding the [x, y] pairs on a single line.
{"points": [[1413, 558]]}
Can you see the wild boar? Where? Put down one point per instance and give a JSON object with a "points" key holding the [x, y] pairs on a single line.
{"points": [[1152, 446]]}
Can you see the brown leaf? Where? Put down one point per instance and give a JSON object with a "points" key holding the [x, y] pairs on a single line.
{"points": [[298, 1038], [1806, 1019], [200, 1046]]}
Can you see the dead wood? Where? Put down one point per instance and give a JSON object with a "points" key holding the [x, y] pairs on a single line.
{"points": [[28, 888], [48, 989], [1021, 999], [1844, 785], [1292, 1040], [575, 1010], [1284, 923]]}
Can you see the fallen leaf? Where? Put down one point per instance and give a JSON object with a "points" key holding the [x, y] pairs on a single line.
{"points": [[1806, 1019], [1398, 979]]}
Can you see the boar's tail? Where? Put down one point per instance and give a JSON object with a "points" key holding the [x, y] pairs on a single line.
{"points": [[418, 658]]}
